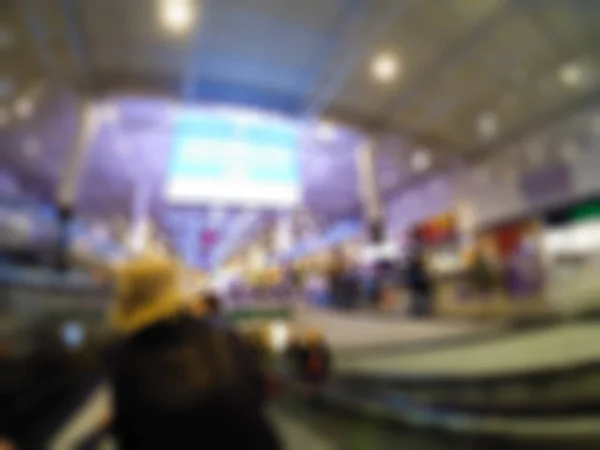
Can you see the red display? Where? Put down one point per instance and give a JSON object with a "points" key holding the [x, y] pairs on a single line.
{"points": [[436, 230]]}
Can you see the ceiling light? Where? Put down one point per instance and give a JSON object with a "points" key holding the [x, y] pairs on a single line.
{"points": [[421, 160], [24, 107], [487, 125], [4, 117], [176, 16], [571, 74], [385, 67]]}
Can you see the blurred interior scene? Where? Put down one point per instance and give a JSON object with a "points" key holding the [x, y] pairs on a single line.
{"points": [[299, 225]]}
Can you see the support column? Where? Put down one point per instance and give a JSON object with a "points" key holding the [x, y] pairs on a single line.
{"points": [[140, 223], [366, 164], [68, 185]]}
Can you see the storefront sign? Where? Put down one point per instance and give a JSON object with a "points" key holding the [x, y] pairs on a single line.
{"points": [[437, 229]]}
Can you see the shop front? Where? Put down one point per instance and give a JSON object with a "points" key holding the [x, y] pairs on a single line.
{"points": [[571, 244]]}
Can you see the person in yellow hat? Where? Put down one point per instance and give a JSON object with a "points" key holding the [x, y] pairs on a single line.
{"points": [[180, 382], [148, 291]]}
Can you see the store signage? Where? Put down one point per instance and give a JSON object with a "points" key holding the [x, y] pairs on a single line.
{"points": [[220, 161], [437, 229], [550, 183]]}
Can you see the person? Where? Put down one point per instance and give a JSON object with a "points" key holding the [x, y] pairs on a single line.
{"points": [[342, 283], [179, 382], [482, 275], [315, 359], [294, 355], [420, 285], [213, 305]]}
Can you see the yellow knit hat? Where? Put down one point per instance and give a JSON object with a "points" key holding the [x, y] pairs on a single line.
{"points": [[148, 291]]}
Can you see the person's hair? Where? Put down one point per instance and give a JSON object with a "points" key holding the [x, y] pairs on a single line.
{"points": [[213, 303]]}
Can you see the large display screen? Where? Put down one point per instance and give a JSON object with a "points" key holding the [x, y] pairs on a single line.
{"points": [[219, 160]]}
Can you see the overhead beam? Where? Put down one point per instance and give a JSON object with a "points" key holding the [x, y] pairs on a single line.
{"points": [[332, 45], [77, 41], [189, 79], [451, 56], [336, 80], [41, 42], [583, 101]]}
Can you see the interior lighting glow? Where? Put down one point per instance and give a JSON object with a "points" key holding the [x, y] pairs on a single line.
{"points": [[385, 67], [73, 335], [24, 107], [421, 160], [571, 75], [326, 131], [487, 125], [279, 332], [176, 16]]}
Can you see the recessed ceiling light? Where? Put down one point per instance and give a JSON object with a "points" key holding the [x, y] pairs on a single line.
{"points": [[4, 117], [385, 67], [421, 160], [24, 107], [571, 74], [176, 16], [487, 125]]}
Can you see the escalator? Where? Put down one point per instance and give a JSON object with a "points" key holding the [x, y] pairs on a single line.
{"points": [[372, 404], [303, 426], [540, 387]]}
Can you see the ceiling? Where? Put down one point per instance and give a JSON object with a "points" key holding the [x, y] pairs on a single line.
{"points": [[467, 78]]}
